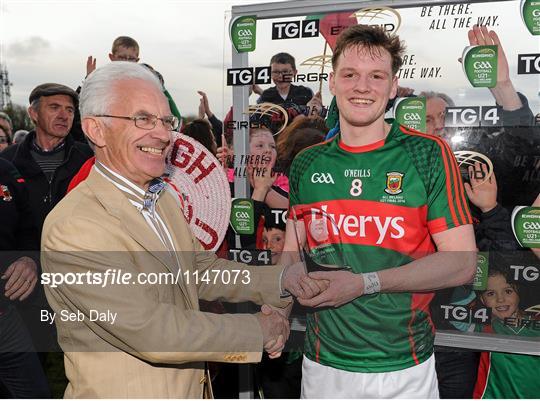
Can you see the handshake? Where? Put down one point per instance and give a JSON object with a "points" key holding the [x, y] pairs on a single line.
{"points": [[316, 289]]}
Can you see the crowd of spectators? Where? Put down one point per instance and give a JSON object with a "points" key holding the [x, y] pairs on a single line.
{"points": [[36, 168]]}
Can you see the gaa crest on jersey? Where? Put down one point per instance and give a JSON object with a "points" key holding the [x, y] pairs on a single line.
{"points": [[5, 194], [394, 181]]}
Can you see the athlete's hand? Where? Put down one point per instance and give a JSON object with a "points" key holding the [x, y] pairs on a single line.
{"points": [[343, 287]]}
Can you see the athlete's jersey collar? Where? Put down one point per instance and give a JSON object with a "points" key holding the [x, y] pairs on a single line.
{"points": [[394, 127]]}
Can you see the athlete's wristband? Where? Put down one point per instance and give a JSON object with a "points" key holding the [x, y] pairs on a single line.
{"points": [[372, 283]]}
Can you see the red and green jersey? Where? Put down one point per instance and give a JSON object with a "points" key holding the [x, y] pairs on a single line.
{"points": [[381, 203], [505, 375]]}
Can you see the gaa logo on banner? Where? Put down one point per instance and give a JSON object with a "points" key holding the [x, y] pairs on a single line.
{"points": [[386, 17], [411, 112], [242, 216], [243, 33], [526, 226], [530, 14], [480, 65]]}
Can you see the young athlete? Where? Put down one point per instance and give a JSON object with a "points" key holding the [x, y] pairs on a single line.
{"points": [[399, 217], [505, 375]]}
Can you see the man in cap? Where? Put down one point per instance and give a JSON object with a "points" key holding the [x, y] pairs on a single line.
{"points": [[48, 157]]}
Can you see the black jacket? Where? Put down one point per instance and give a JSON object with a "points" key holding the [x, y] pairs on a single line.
{"points": [[299, 95], [44, 195], [17, 231]]}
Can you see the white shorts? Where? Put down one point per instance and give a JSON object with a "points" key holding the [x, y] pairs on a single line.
{"points": [[320, 381]]}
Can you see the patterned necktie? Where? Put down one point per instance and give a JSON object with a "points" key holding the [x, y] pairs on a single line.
{"points": [[155, 188]]}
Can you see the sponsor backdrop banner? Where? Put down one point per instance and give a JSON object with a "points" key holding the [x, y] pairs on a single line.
{"points": [[440, 58]]}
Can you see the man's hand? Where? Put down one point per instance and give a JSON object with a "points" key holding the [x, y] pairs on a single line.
{"points": [[315, 105], [275, 328], [90, 65], [298, 283], [21, 278], [481, 192], [343, 287]]}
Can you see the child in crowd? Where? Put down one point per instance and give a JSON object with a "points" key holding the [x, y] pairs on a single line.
{"points": [[500, 374], [273, 237]]}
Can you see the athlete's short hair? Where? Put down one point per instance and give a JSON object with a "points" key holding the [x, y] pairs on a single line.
{"points": [[370, 37], [124, 41]]}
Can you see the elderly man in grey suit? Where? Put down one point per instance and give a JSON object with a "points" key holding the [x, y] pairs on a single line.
{"points": [[122, 336]]}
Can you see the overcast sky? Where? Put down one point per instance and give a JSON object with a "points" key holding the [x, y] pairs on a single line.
{"points": [[49, 41]]}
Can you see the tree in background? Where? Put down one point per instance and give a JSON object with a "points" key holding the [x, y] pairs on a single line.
{"points": [[19, 117]]}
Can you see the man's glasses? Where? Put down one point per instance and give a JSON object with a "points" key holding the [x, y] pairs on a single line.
{"points": [[149, 121]]}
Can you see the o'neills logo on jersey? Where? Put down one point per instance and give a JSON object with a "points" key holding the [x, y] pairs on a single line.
{"points": [[394, 181], [357, 226]]}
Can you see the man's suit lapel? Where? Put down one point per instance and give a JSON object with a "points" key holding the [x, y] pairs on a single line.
{"points": [[181, 235], [117, 205]]}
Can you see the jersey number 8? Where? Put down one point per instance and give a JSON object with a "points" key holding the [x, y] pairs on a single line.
{"points": [[356, 187]]}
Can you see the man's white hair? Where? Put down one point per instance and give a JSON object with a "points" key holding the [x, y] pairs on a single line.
{"points": [[97, 92], [430, 95]]}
